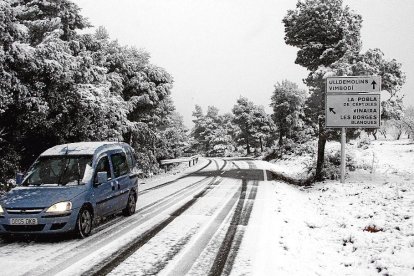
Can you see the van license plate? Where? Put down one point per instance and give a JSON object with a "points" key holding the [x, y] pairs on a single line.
{"points": [[23, 221]]}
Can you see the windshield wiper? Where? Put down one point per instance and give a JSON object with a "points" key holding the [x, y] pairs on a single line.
{"points": [[63, 173]]}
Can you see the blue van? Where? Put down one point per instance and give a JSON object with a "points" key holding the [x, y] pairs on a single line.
{"points": [[69, 186]]}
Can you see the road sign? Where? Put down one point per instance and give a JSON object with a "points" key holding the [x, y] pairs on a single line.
{"points": [[353, 110], [352, 102], [366, 84]]}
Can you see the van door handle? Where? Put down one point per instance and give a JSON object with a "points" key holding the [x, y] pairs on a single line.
{"points": [[114, 184]]}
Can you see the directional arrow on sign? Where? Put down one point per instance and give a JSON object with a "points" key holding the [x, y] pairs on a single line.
{"points": [[373, 84], [351, 110]]}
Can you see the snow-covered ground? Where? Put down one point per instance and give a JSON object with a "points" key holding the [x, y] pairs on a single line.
{"points": [[362, 227], [181, 170], [72, 256]]}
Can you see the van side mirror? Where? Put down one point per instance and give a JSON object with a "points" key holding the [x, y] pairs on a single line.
{"points": [[102, 177], [19, 178]]}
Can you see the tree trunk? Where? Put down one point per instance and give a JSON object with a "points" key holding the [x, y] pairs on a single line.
{"points": [[280, 136], [321, 151], [374, 133], [261, 144], [247, 138], [247, 144], [399, 135]]}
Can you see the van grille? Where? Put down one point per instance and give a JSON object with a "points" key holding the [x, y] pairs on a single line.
{"points": [[24, 211]]}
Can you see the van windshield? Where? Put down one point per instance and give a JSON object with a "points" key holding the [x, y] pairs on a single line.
{"points": [[59, 170]]}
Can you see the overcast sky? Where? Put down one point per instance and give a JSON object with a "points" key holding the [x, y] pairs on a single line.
{"points": [[218, 50]]}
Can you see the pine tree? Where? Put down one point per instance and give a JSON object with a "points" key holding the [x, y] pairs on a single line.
{"points": [[288, 104], [213, 133], [58, 86], [253, 123], [328, 37]]}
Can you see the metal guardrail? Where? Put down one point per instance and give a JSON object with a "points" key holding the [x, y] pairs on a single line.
{"points": [[191, 160]]}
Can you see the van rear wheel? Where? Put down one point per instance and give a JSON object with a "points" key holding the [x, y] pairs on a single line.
{"points": [[131, 205], [84, 223]]}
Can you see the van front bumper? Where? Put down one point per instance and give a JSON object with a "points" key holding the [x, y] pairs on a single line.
{"points": [[46, 223]]}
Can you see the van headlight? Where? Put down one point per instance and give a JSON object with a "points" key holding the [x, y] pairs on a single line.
{"points": [[1, 211], [60, 207]]}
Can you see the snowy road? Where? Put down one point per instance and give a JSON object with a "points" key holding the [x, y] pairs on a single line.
{"points": [[192, 225]]}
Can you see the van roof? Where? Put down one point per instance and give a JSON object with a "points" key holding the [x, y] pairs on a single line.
{"points": [[83, 148]]}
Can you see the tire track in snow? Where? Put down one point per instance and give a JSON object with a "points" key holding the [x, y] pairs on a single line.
{"points": [[234, 164], [174, 181], [187, 260], [227, 252], [122, 254], [69, 257], [241, 228], [187, 247]]}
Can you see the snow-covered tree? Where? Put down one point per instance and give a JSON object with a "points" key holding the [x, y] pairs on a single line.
{"points": [[221, 143], [57, 86], [198, 143], [288, 104], [325, 32], [213, 133], [253, 123], [173, 138], [36, 76], [408, 119], [243, 119], [263, 128], [328, 37], [43, 17]]}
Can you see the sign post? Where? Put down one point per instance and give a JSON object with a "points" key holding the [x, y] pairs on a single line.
{"points": [[352, 102], [343, 155]]}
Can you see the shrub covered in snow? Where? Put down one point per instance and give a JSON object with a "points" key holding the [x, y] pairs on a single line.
{"points": [[289, 149], [363, 142], [332, 166], [8, 165]]}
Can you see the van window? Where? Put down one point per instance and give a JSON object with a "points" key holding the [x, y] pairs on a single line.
{"points": [[102, 166], [119, 162], [130, 159]]}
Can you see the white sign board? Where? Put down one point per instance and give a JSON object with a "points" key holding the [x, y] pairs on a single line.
{"points": [[367, 84], [353, 110]]}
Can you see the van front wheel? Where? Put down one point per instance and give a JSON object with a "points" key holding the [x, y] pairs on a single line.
{"points": [[84, 223], [131, 205]]}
